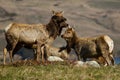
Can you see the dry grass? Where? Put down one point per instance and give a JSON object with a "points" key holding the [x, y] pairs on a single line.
{"points": [[58, 71]]}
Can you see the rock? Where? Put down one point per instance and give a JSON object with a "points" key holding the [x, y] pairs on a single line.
{"points": [[92, 63], [54, 58], [87, 64]]}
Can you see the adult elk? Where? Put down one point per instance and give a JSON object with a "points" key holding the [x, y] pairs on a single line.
{"points": [[96, 47], [33, 36]]}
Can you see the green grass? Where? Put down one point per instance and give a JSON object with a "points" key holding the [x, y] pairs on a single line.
{"points": [[59, 71]]}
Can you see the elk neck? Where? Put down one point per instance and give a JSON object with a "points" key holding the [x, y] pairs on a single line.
{"points": [[53, 29], [73, 41]]}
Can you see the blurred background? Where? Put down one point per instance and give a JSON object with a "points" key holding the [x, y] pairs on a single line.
{"points": [[89, 17]]}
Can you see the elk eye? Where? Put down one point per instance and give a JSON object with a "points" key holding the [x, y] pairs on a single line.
{"points": [[65, 19], [54, 17], [68, 32]]}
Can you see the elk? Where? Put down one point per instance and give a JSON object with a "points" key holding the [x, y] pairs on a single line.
{"points": [[33, 36], [100, 47], [54, 51]]}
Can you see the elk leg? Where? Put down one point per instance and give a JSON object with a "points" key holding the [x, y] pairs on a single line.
{"points": [[84, 59], [101, 60], [112, 59], [38, 52], [78, 55], [35, 54], [45, 52], [16, 49], [4, 55], [42, 53], [11, 51], [107, 58], [78, 51]]}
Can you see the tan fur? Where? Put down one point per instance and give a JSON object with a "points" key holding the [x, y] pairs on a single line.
{"points": [[54, 51], [95, 47], [8, 27], [110, 43], [33, 35]]}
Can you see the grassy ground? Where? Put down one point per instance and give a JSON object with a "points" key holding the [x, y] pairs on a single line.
{"points": [[58, 71]]}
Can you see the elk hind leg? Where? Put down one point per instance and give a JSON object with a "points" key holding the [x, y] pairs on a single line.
{"points": [[4, 55], [112, 59]]}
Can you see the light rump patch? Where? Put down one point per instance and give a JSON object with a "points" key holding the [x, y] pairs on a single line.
{"points": [[110, 43], [8, 27]]}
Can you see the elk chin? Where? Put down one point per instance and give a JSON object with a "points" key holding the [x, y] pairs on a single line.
{"points": [[65, 25], [67, 39]]}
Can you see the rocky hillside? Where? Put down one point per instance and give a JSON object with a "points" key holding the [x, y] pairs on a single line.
{"points": [[89, 17]]}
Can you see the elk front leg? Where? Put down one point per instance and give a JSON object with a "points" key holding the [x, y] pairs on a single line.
{"points": [[46, 52], [38, 51], [77, 51], [42, 53], [13, 45]]}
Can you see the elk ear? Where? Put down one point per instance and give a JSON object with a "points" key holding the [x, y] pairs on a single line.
{"points": [[70, 28], [53, 12], [73, 27], [61, 12]]}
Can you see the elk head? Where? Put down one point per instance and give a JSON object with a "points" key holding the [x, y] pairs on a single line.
{"points": [[69, 34], [59, 21]]}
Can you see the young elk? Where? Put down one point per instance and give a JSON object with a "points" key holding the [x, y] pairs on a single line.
{"points": [[54, 51], [99, 48], [33, 36]]}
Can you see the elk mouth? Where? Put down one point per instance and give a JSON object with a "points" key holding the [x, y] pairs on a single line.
{"points": [[66, 38], [61, 28], [65, 25]]}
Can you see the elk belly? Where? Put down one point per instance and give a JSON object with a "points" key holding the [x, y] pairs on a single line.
{"points": [[28, 36]]}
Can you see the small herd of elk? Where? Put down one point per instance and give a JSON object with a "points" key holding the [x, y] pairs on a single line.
{"points": [[39, 37]]}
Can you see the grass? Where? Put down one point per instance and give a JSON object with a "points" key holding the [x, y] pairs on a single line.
{"points": [[58, 71]]}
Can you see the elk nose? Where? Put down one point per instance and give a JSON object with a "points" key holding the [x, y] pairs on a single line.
{"points": [[67, 25], [62, 36]]}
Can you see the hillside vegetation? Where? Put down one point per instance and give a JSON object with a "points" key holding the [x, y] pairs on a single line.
{"points": [[58, 71]]}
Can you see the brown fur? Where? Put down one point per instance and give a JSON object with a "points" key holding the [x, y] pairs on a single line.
{"points": [[33, 36], [54, 51], [95, 47]]}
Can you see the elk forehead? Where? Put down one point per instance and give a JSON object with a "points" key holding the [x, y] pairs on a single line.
{"points": [[68, 34], [59, 19], [57, 13], [70, 30]]}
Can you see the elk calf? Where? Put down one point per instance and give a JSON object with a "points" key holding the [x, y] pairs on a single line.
{"points": [[54, 51], [95, 47]]}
